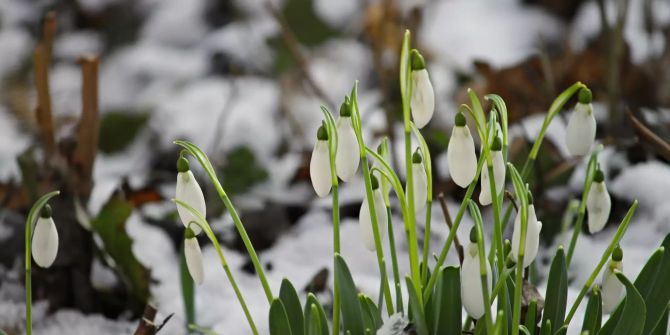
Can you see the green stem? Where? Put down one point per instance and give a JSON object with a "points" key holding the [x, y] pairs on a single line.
{"points": [[31, 220], [452, 232], [606, 255], [426, 242], [394, 262], [375, 233], [483, 268], [336, 248]]}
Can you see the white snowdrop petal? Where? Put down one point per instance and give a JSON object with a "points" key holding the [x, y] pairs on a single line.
{"points": [[471, 284], [598, 205], [581, 131], [193, 256], [347, 157], [319, 168], [189, 191], [612, 289], [44, 243], [365, 220], [423, 98], [420, 186], [532, 244], [461, 157]]}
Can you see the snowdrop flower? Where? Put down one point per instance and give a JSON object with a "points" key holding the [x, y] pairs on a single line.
{"points": [[420, 186], [45, 239], [394, 325], [347, 156], [498, 173], [532, 235], [598, 203], [319, 165], [461, 158], [612, 288], [422, 100], [188, 191], [581, 131], [365, 219], [471, 284], [193, 255]]}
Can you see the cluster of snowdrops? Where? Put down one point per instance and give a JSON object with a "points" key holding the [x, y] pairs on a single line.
{"points": [[429, 300]]}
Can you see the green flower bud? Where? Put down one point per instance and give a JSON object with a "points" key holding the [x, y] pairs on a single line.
{"points": [[345, 108], [617, 254], [598, 176], [418, 63], [46, 211], [497, 144], [416, 157], [322, 133], [374, 182], [189, 234], [473, 234], [182, 164], [459, 119], [585, 96]]}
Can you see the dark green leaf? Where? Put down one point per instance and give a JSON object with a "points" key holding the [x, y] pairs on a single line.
{"points": [[659, 296], [593, 316], [446, 307], [634, 310], [119, 129], [371, 313], [279, 324], [531, 314], [662, 326], [546, 328], [187, 289], [557, 290], [351, 309], [110, 225], [289, 297], [323, 321], [418, 317], [314, 323], [241, 171]]}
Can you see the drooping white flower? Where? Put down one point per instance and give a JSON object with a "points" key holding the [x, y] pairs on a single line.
{"points": [[613, 290], [598, 203], [193, 256], [498, 173], [347, 157], [189, 192], [461, 157], [420, 182], [44, 244], [394, 325], [422, 100], [533, 230], [581, 131], [471, 283], [365, 219], [319, 164]]}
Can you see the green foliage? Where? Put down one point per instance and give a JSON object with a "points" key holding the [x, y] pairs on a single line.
{"points": [[187, 289], [352, 318], [279, 323], [444, 311], [418, 316], [289, 297], [593, 316], [241, 171], [119, 129], [110, 225], [310, 321], [634, 310], [557, 291]]}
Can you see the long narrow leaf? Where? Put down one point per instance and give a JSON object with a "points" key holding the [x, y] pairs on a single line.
{"points": [[279, 324], [351, 308], [634, 311], [593, 316], [557, 290], [289, 297]]}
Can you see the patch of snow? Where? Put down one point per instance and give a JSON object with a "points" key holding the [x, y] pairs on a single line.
{"points": [[16, 47], [245, 42], [175, 23], [12, 143], [338, 13], [69, 47]]}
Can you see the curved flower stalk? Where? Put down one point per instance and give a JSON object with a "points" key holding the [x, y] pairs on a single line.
{"points": [[347, 158], [581, 131], [193, 255], [472, 293], [532, 235], [498, 173], [598, 203], [45, 239], [319, 164], [613, 290], [422, 100], [365, 219], [39, 216], [420, 182], [189, 191], [461, 157]]}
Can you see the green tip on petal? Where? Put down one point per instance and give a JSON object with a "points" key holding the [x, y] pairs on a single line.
{"points": [[345, 108], [617, 254], [46, 211], [418, 63], [508, 247], [416, 157], [322, 133], [374, 182], [182, 164], [585, 96], [497, 144], [459, 119], [189, 234], [598, 176], [380, 149], [473, 235]]}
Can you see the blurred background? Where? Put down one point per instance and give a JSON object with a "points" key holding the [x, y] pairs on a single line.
{"points": [[93, 92]]}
